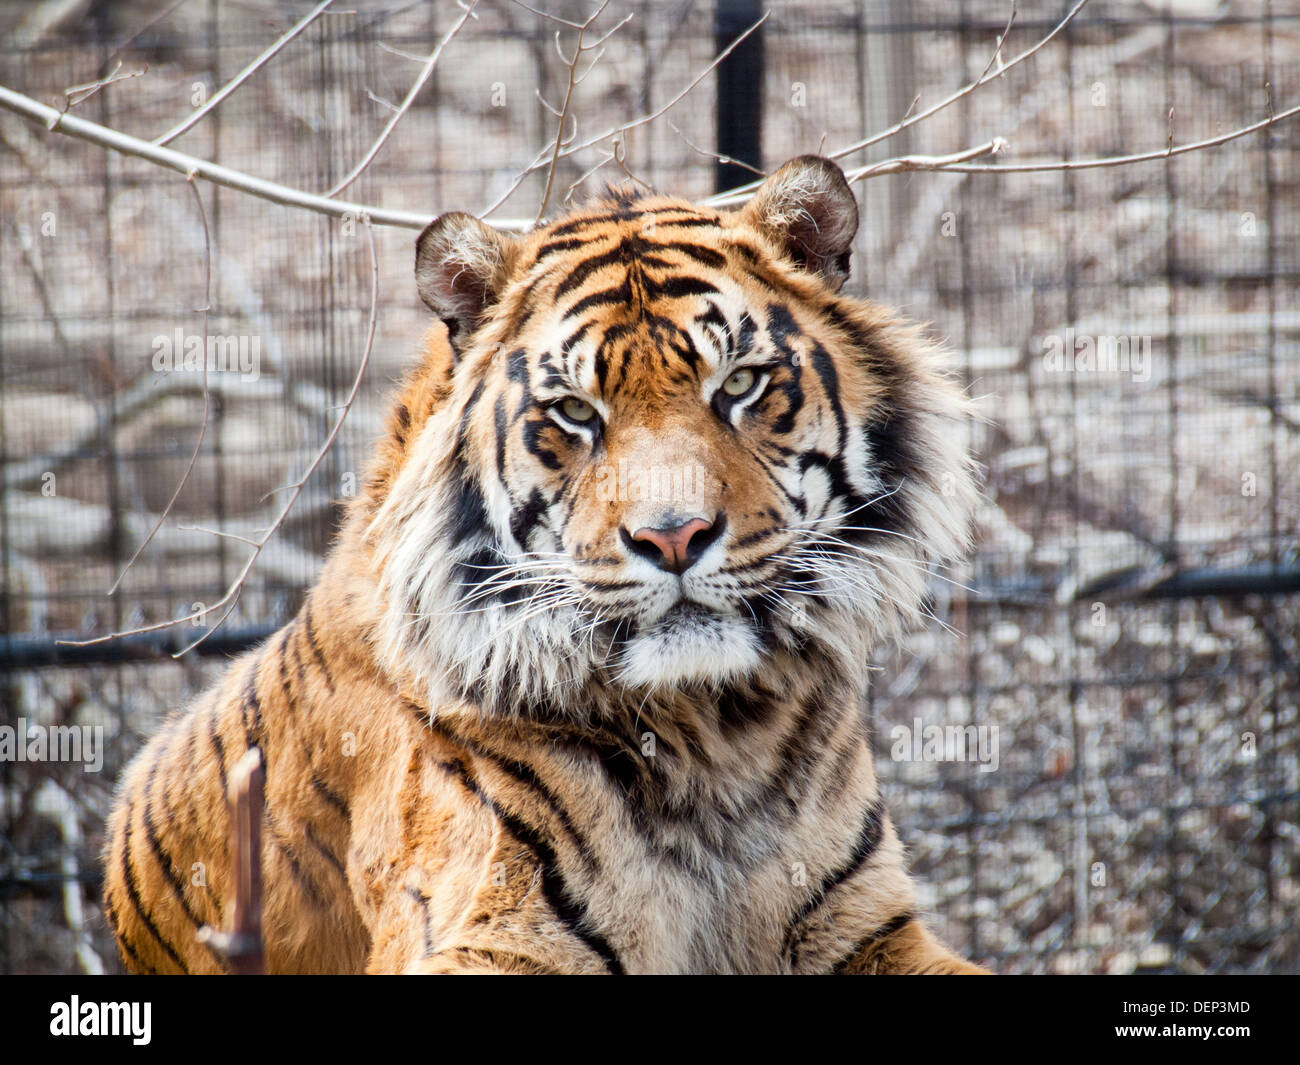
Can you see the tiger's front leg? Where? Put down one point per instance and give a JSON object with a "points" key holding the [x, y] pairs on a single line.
{"points": [[508, 926], [450, 880], [904, 946]]}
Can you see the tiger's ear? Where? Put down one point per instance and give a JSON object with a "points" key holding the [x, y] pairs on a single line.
{"points": [[461, 268], [808, 208]]}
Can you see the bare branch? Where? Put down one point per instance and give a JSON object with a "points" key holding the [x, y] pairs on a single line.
{"points": [[996, 57], [398, 52], [217, 532], [568, 195], [548, 16], [620, 157], [904, 163], [80, 128], [243, 75], [380, 100], [207, 397], [86, 91], [1127, 160], [626, 127], [962, 93], [574, 80], [425, 74], [912, 119], [726, 159], [230, 599], [900, 165], [675, 100]]}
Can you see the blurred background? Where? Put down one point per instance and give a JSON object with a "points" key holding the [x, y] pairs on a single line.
{"points": [[1129, 619]]}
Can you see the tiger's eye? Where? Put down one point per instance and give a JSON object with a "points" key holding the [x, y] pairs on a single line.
{"points": [[578, 411], [739, 383]]}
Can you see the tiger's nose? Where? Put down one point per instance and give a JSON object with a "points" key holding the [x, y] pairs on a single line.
{"points": [[674, 548]]}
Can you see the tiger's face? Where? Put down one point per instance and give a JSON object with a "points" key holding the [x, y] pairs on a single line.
{"points": [[672, 455]]}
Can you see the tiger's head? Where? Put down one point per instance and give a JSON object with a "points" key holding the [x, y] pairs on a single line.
{"points": [[665, 454]]}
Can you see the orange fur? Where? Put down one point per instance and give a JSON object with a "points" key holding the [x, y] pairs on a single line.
{"points": [[438, 806]]}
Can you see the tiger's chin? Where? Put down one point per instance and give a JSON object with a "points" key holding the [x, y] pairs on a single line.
{"points": [[689, 647]]}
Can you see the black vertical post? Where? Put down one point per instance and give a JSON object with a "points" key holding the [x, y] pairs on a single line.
{"points": [[740, 91]]}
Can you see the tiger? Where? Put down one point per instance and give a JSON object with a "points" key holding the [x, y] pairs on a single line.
{"points": [[581, 686]]}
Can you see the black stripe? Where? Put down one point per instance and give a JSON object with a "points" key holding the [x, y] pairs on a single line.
{"points": [[526, 775], [553, 246], [219, 749], [328, 854], [606, 296], [502, 430], [161, 856], [330, 795], [315, 649], [133, 893], [127, 949], [422, 900], [711, 223], [533, 430], [677, 287], [466, 413], [253, 733], [526, 517], [571, 912], [889, 928], [578, 274], [402, 417], [707, 256], [627, 215], [307, 884], [868, 840]]}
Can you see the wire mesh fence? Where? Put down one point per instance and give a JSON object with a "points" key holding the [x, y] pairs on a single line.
{"points": [[1114, 783]]}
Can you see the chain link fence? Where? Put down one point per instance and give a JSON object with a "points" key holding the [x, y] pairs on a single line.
{"points": [[1093, 755]]}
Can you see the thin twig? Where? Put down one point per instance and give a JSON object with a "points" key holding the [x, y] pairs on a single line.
{"points": [[207, 398], [911, 119], [217, 532], [568, 195], [290, 197], [86, 91], [985, 77], [904, 163], [673, 101], [374, 98], [152, 21], [125, 144], [548, 16], [1126, 160], [615, 131], [231, 597], [620, 157], [562, 115], [724, 159], [467, 9], [243, 75]]}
